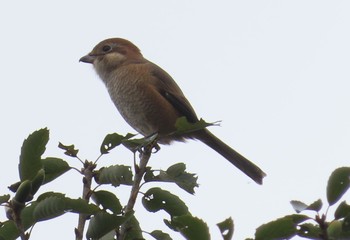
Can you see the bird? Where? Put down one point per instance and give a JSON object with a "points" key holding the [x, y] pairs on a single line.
{"points": [[150, 101]]}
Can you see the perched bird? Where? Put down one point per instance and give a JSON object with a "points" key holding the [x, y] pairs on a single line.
{"points": [[150, 100]]}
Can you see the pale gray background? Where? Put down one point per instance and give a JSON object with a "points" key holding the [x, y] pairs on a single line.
{"points": [[275, 72]]}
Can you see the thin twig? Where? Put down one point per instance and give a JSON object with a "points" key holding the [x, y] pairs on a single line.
{"points": [[87, 171], [139, 173]]}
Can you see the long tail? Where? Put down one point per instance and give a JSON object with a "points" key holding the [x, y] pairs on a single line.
{"points": [[246, 166]]}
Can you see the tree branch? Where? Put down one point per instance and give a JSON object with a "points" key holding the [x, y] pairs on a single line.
{"points": [[87, 171], [139, 173]]}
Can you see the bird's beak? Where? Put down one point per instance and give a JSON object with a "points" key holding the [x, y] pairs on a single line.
{"points": [[87, 59]]}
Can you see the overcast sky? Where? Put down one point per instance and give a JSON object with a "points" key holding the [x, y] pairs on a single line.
{"points": [[275, 72]]}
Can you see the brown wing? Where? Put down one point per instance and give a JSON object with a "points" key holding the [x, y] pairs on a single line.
{"points": [[173, 94]]}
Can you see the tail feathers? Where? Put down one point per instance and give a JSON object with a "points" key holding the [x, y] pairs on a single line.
{"points": [[246, 166]]}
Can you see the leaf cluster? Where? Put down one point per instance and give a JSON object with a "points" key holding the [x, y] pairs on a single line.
{"points": [[99, 205], [315, 225]]}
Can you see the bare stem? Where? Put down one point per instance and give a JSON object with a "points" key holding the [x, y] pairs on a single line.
{"points": [[87, 171], [139, 173]]}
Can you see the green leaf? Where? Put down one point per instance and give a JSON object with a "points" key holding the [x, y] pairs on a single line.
{"points": [[135, 144], [13, 187], [80, 206], [191, 228], [134, 230], [300, 206], [54, 167], [27, 215], [55, 205], [183, 126], [338, 184], [102, 223], [4, 198], [50, 194], [175, 174], [315, 206], [226, 228], [282, 228], [346, 224], [50, 207], [159, 235], [308, 230], [8, 230], [38, 181], [69, 149], [156, 199], [342, 210], [108, 201], [115, 175], [32, 149], [23, 191], [113, 140], [334, 229]]}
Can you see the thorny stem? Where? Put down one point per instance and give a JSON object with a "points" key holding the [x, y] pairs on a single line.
{"points": [[139, 173], [87, 171]]}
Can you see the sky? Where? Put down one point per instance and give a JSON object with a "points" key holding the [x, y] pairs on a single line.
{"points": [[276, 73]]}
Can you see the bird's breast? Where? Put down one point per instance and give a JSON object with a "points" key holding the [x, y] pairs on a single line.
{"points": [[134, 93]]}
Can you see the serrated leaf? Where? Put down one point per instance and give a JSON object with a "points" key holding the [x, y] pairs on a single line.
{"points": [[4, 198], [183, 126], [69, 149], [50, 207], [191, 228], [54, 167], [55, 205], [102, 223], [80, 206], [156, 199], [108, 201], [27, 215], [113, 140], [115, 175], [32, 149], [342, 210], [50, 194], [310, 231], [159, 235], [338, 184], [176, 174], [226, 228], [281, 228]]}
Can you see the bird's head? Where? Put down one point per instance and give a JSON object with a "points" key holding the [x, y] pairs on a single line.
{"points": [[112, 53]]}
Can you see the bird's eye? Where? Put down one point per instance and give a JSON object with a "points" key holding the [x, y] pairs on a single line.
{"points": [[106, 48]]}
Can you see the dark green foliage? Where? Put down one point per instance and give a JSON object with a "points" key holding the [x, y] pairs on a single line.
{"points": [[316, 226], [107, 216]]}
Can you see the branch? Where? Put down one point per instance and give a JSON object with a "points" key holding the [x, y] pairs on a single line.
{"points": [[87, 171], [139, 173]]}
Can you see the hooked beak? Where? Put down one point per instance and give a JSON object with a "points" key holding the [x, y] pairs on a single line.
{"points": [[87, 59]]}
